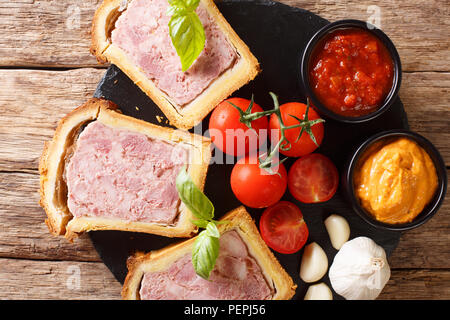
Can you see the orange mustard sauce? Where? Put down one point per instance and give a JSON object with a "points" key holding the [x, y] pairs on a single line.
{"points": [[394, 180]]}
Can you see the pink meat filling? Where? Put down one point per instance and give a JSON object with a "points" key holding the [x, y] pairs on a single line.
{"points": [[142, 32], [115, 173], [236, 276]]}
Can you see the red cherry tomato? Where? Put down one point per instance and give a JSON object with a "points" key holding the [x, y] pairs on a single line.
{"points": [[304, 145], [313, 178], [230, 135], [255, 187], [283, 228]]}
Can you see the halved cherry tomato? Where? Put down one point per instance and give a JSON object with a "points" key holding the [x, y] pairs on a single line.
{"points": [[230, 135], [255, 187], [283, 228], [313, 178], [305, 144]]}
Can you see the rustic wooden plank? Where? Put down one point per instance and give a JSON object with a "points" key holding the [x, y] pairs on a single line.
{"points": [[89, 280], [426, 99], [66, 280], [33, 101], [428, 245], [23, 233], [56, 33], [422, 284], [46, 33], [418, 28], [31, 104]]}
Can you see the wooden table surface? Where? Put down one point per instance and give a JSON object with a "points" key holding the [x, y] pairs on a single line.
{"points": [[46, 70]]}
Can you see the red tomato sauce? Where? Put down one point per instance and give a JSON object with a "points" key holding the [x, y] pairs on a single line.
{"points": [[351, 72]]}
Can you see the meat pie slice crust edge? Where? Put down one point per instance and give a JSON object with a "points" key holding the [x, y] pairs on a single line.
{"points": [[240, 220], [53, 189], [243, 71]]}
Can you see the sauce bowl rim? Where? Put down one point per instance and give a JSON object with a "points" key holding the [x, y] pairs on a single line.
{"points": [[430, 209], [305, 64]]}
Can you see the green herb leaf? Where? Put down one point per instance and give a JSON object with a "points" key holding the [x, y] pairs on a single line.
{"points": [[192, 4], [206, 247], [205, 252], [212, 230], [220, 222], [193, 198], [200, 223], [186, 31], [176, 7]]}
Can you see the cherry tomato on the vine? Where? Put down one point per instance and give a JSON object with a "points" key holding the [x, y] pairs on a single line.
{"points": [[305, 144], [254, 186], [230, 135]]}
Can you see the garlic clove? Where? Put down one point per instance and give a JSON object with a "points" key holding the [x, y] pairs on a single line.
{"points": [[314, 263], [338, 230], [319, 291]]}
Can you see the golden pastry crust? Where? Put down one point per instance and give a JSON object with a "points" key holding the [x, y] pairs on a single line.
{"points": [[53, 189], [241, 221], [245, 69]]}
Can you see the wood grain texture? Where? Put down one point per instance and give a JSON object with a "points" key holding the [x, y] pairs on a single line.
{"points": [[426, 99], [426, 246], [420, 284], [46, 33], [36, 280], [90, 280], [419, 29], [56, 33], [23, 233], [33, 101]]}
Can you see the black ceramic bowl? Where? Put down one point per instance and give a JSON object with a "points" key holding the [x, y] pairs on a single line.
{"points": [[305, 67], [428, 211]]}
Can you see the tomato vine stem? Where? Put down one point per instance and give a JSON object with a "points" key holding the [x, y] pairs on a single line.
{"points": [[246, 117]]}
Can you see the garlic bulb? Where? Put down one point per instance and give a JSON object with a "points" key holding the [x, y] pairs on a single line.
{"points": [[359, 270]]}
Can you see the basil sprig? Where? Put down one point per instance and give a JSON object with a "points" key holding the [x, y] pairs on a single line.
{"points": [[206, 247], [186, 30], [206, 250], [193, 198]]}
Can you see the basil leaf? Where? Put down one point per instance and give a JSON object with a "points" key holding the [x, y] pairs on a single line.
{"points": [[191, 4], [174, 10], [204, 254], [200, 223], [211, 230], [178, 6], [193, 198], [187, 34], [217, 222], [206, 246]]}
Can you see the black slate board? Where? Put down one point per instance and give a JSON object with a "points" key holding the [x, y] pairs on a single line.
{"points": [[277, 35]]}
